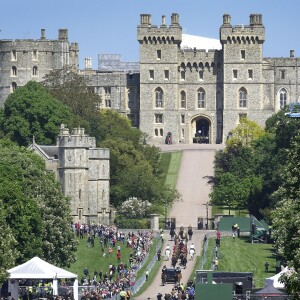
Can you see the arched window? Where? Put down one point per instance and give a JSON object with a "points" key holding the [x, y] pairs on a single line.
{"points": [[14, 71], [183, 99], [243, 97], [13, 86], [161, 132], [201, 98], [156, 132], [182, 75], [34, 71], [282, 98], [159, 98]]}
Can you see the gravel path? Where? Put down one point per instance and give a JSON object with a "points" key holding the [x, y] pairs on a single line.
{"points": [[197, 162]]}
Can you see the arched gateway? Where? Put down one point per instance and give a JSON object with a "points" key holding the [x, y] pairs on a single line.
{"points": [[201, 130]]}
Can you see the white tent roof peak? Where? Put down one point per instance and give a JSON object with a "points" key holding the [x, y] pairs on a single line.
{"points": [[37, 268], [192, 41]]}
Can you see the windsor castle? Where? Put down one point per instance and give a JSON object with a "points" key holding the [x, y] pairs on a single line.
{"points": [[177, 88], [185, 89]]}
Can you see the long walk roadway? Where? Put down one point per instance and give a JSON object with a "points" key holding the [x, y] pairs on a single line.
{"points": [[197, 162]]}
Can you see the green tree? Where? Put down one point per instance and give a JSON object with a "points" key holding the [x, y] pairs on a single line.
{"points": [[31, 111], [245, 133], [112, 125], [71, 89], [286, 217], [233, 191], [8, 252], [34, 207]]}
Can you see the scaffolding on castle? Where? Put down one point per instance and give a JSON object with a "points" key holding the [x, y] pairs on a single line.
{"points": [[113, 63]]}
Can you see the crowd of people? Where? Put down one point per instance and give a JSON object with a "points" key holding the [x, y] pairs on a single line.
{"points": [[101, 284], [117, 279], [179, 292]]}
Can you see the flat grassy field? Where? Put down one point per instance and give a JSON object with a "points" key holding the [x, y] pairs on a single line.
{"points": [[241, 256], [92, 258], [222, 210], [170, 164]]}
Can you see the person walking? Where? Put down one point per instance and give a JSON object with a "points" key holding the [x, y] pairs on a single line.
{"points": [[147, 275], [266, 266]]}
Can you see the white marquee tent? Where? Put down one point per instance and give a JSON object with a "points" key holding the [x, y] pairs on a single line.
{"points": [[275, 279], [37, 268]]}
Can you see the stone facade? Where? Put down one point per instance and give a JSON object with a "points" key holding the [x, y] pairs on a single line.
{"points": [[83, 172], [194, 92], [195, 95], [22, 60]]}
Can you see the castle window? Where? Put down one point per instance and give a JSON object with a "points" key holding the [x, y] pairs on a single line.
{"points": [[14, 71], [183, 99], [34, 71], [243, 54], [167, 74], [14, 55], [182, 75], [159, 98], [282, 74], [282, 98], [182, 119], [13, 86], [158, 118], [79, 195], [158, 54], [250, 74], [201, 75], [156, 132], [201, 98], [107, 96], [34, 55], [151, 74], [130, 98], [235, 74], [243, 98], [79, 214], [161, 132]]}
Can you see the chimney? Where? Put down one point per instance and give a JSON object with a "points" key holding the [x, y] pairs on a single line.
{"points": [[43, 36]]}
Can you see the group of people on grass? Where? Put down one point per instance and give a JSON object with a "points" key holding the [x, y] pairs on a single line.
{"points": [[118, 278]]}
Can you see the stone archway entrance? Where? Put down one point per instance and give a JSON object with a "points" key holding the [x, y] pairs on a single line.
{"points": [[201, 130]]}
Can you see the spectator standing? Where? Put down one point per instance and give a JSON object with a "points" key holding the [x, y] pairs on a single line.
{"points": [[266, 266]]}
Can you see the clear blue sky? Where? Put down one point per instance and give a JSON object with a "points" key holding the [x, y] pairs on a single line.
{"points": [[109, 26]]}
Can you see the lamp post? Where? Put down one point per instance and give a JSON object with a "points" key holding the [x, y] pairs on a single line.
{"points": [[206, 205]]}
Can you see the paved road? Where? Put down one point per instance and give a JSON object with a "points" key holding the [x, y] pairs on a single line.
{"points": [[197, 162]]}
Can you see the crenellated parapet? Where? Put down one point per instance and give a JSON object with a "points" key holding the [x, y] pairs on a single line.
{"points": [[152, 34], [254, 33]]}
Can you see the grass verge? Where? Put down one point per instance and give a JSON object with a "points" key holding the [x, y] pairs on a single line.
{"points": [[170, 164], [240, 255]]}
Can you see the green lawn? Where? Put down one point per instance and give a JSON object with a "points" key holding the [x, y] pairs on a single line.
{"points": [[92, 257], [241, 256], [170, 164]]}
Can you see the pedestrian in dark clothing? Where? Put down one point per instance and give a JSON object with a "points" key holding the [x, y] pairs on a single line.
{"points": [[266, 266]]}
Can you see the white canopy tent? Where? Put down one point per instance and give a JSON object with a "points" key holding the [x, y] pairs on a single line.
{"points": [[275, 279], [37, 268]]}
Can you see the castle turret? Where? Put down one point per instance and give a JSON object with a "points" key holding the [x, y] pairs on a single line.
{"points": [[159, 47], [243, 69], [63, 34]]}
